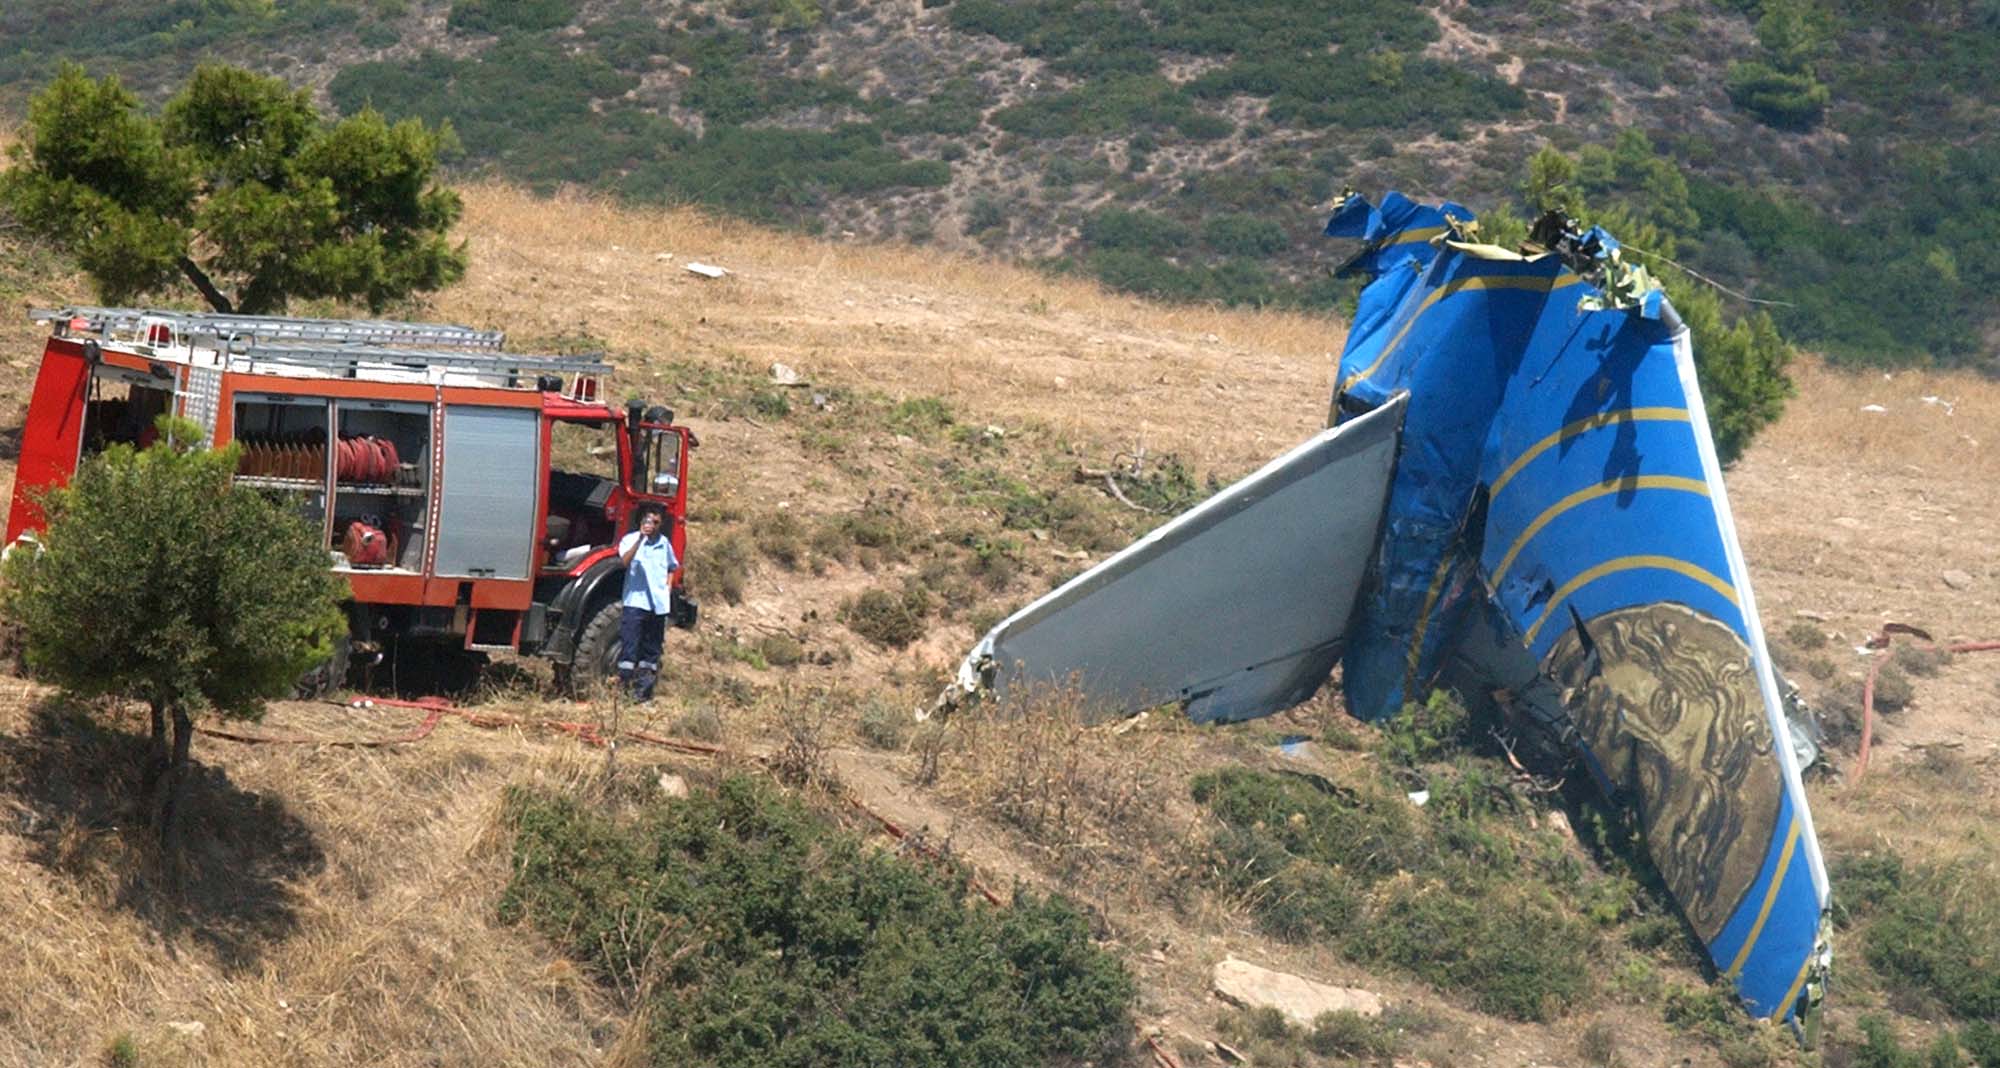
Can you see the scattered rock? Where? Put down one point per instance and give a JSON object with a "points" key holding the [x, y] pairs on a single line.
{"points": [[1956, 579], [1302, 1000], [187, 1028], [1847, 521], [673, 785]]}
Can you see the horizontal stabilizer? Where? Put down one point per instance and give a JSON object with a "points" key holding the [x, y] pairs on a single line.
{"points": [[1238, 607]]}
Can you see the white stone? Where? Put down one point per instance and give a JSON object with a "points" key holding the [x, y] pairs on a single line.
{"points": [[1301, 1000]]}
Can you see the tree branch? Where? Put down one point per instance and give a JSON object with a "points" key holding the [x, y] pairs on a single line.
{"points": [[200, 279]]}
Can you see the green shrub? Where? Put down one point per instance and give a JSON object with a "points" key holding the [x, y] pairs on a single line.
{"points": [[1244, 235], [1350, 1035], [1434, 894], [499, 16], [764, 936], [1143, 231], [725, 563], [1933, 928], [1513, 952], [883, 726], [888, 618], [1427, 731], [1880, 1048], [1893, 690], [780, 650], [954, 109], [1109, 106], [1787, 101], [1923, 661], [1806, 635], [1982, 1043], [781, 537], [922, 418]]}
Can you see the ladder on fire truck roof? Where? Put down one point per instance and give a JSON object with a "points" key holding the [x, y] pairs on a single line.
{"points": [[111, 323], [350, 347]]}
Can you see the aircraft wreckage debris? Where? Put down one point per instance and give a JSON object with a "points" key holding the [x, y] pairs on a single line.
{"points": [[1517, 493]]}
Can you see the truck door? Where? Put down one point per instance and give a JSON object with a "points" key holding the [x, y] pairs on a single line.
{"points": [[659, 463], [53, 436]]}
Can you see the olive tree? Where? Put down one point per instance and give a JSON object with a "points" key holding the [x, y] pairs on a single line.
{"points": [[159, 580], [238, 187]]}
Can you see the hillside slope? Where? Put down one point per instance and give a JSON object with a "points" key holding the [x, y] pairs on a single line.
{"points": [[1816, 152], [344, 910]]}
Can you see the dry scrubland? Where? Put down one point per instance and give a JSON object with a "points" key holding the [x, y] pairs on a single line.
{"points": [[344, 910]]}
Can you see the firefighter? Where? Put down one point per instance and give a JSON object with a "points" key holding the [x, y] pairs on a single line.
{"points": [[648, 556]]}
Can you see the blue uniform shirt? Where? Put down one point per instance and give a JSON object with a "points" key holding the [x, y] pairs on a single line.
{"points": [[648, 575]]}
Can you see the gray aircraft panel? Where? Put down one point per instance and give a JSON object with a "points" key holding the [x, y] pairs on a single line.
{"points": [[1237, 607]]}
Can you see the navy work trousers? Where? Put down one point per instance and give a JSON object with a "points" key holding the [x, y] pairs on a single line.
{"points": [[641, 634]]}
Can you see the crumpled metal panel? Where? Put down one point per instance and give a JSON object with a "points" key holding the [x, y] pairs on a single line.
{"points": [[1238, 607]]}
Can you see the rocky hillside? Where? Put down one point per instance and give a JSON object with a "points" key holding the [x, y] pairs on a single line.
{"points": [[1830, 155]]}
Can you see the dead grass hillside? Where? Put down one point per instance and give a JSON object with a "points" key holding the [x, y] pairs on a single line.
{"points": [[343, 909]]}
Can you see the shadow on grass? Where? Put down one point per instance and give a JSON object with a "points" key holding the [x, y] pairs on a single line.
{"points": [[74, 786]]}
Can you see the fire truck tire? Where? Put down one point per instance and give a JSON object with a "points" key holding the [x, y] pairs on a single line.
{"points": [[597, 648], [329, 675]]}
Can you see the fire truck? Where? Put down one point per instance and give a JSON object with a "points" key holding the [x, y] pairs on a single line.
{"points": [[471, 497]]}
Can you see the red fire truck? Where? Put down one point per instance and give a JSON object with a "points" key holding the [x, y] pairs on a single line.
{"points": [[471, 497]]}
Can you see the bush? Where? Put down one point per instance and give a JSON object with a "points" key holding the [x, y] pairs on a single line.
{"points": [[160, 580], [1141, 231], [1429, 892], [780, 650], [888, 618], [726, 563], [499, 16], [781, 537], [1806, 634], [1427, 731], [761, 935], [1893, 689], [883, 726], [1244, 235]]}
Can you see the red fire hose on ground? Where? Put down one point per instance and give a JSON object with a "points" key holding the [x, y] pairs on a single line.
{"points": [[1882, 641]]}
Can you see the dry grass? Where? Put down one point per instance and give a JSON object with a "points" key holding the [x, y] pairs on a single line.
{"points": [[1086, 798], [1959, 432], [340, 910], [1001, 341]]}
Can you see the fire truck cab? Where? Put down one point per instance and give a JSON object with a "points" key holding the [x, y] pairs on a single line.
{"points": [[472, 498]]}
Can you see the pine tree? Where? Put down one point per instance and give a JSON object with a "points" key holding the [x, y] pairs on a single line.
{"points": [[239, 187]]}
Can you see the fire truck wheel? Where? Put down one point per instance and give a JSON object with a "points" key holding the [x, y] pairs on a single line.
{"points": [[597, 649], [328, 676]]}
